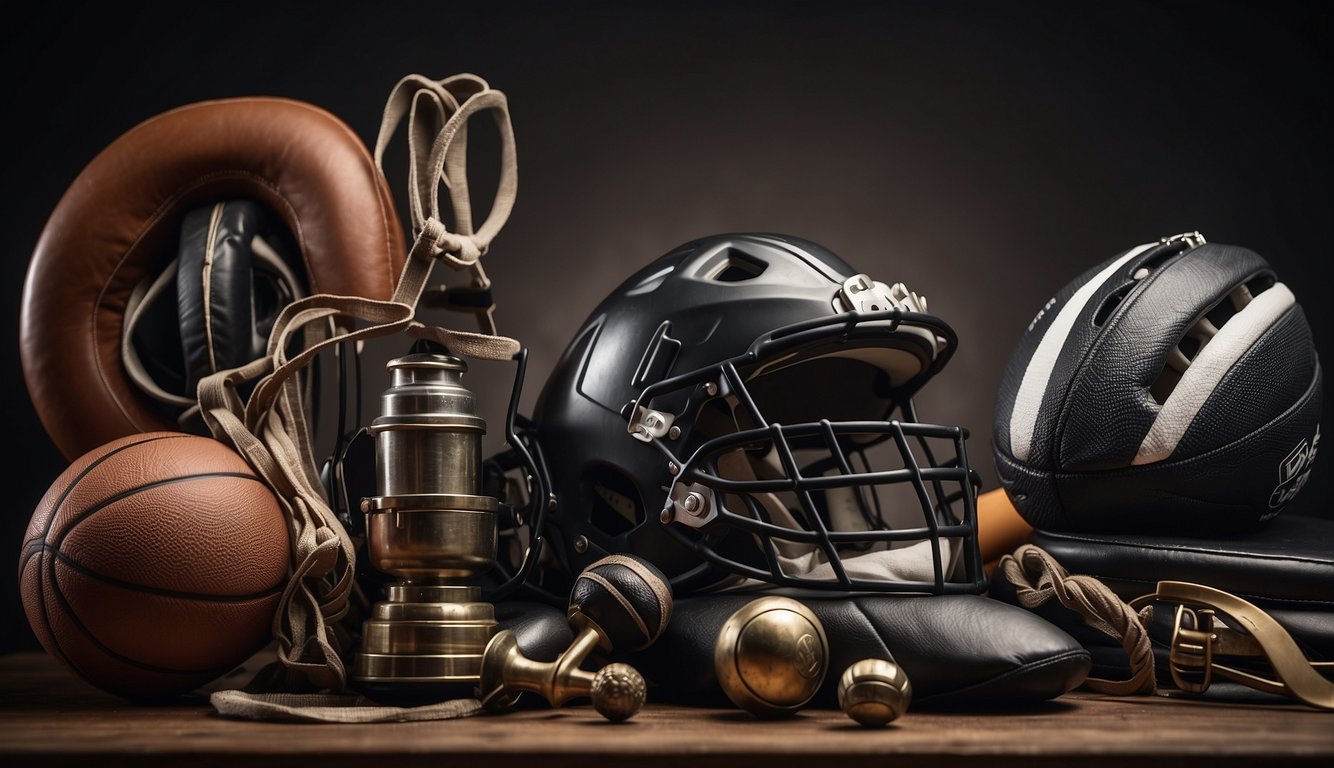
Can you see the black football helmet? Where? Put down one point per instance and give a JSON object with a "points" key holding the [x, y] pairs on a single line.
{"points": [[739, 412]]}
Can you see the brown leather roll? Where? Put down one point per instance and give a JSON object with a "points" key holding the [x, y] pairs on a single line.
{"points": [[118, 223]]}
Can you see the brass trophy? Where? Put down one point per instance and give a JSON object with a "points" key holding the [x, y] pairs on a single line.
{"points": [[433, 530]]}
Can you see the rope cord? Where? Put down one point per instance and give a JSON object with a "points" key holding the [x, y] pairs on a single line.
{"points": [[270, 427], [1037, 578]]}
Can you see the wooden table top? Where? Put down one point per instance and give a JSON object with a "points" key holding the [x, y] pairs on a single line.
{"points": [[48, 717]]}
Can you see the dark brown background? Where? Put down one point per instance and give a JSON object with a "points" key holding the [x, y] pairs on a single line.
{"points": [[983, 153]]}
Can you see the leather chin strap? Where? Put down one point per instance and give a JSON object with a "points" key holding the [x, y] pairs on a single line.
{"points": [[1037, 578], [315, 615]]}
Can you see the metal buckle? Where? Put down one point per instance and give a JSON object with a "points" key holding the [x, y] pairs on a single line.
{"points": [[860, 293], [1191, 239], [1199, 639]]}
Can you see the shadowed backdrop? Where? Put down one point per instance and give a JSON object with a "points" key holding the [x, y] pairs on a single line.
{"points": [[982, 153]]}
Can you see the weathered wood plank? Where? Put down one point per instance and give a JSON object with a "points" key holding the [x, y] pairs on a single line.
{"points": [[48, 718]]}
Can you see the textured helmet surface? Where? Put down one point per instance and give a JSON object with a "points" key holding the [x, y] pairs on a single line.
{"points": [[747, 345], [1174, 387]]}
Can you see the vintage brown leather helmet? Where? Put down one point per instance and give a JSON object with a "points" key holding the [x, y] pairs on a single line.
{"points": [[120, 224]]}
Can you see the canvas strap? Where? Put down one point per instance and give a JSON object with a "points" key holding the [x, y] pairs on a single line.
{"points": [[270, 427], [332, 708]]}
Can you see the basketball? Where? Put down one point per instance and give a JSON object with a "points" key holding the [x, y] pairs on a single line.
{"points": [[154, 564]]}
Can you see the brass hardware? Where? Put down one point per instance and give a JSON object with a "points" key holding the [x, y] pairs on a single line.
{"points": [[617, 690], [619, 601], [1203, 633], [874, 692], [771, 656]]}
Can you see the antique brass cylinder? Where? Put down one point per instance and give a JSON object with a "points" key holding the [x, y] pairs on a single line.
{"points": [[432, 529]]}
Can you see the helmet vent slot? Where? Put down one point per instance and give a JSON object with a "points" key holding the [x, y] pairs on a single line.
{"points": [[737, 267], [1199, 334], [1155, 260], [617, 507], [1110, 304], [1260, 284]]}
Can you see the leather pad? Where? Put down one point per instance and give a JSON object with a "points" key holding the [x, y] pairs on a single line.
{"points": [[227, 295], [1288, 562], [1286, 569], [541, 630], [957, 650], [119, 223]]}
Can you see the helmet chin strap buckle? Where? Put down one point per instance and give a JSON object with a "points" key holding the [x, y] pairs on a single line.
{"points": [[649, 425], [1191, 239]]}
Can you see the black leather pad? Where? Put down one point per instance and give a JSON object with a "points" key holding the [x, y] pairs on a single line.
{"points": [[1286, 569], [228, 295], [541, 630], [957, 650], [1287, 563]]}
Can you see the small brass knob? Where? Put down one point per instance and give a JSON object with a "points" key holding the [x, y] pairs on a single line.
{"points": [[618, 691], [874, 692]]}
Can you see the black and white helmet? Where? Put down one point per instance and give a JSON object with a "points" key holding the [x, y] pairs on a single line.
{"points": [[1172, 387]]}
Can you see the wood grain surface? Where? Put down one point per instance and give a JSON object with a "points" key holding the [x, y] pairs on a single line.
{"points": [[48, 717]]}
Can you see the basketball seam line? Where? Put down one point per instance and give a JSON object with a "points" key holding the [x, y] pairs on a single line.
{"points": [[60, 595], [69, 488], [46, 530], [162, 591], [103, 504]]}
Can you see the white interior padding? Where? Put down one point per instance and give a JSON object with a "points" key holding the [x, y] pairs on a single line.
{"points": [[899, 364], [1214, 360], [885, 561]]}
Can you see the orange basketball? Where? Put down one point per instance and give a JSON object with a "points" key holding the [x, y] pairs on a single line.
{"points": [[154, 564]]}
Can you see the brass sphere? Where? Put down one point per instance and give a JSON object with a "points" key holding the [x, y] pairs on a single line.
{"points": [[618, 691], [874, 692], [771, 656]]}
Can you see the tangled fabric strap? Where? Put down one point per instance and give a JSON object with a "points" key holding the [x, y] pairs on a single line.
{"points": [[1037, 578], [437, 115], [332, 708], [270, 429]]}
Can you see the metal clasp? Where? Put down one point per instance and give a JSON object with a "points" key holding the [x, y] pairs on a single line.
{"points": [[1191, 239], [1196, 649], [649, 425], [690, 504], [1191, 658], [860, 293]]}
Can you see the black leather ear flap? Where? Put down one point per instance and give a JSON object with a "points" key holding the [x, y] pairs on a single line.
{"points": [[116, 230], [236, 269]]}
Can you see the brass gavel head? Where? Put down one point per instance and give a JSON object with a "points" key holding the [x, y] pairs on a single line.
{"points": [[874, 692], [618, 602]]}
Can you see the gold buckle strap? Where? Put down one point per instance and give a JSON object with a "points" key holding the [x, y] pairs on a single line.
{"points": [[1200, 638]]}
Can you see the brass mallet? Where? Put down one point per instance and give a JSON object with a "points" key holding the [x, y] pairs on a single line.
{"points": [[618, 603]]}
